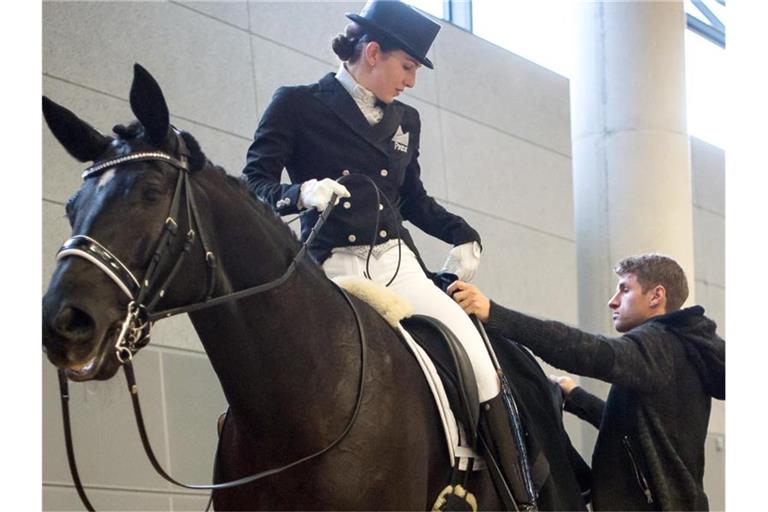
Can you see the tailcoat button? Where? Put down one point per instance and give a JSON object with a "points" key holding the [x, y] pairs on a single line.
{"points": [[381, 206], [384, 172], [351, 238], [347, 205], [345, 172], [382, 233]]}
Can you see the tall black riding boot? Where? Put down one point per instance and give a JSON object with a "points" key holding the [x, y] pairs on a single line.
{"points": [[497, 434]]}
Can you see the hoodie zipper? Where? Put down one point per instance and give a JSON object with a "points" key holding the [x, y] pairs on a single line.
{"points": [[641, 481]]}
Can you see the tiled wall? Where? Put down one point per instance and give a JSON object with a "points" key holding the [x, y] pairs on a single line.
{"points": [[495, 149], [708, 175]]}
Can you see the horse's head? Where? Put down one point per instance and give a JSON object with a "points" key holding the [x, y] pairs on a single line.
{"points": [[118, 219]]}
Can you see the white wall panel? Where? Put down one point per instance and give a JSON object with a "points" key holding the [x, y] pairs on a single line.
{"points": [[193, 402], [717, 417], [714, 471], [509, 178], [55, 232], [65, 498], [489, 84], [61, 172], [305, 26], [230, 11], [712, 298], [275, 66], [203, 65], [176, 332], [188, 503], [709, 247], [104, 433], [708, 189], [708, 176], [520, 268], [431, 148]]}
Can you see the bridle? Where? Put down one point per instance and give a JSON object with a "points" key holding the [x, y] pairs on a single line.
{"points": [[135, 328]]}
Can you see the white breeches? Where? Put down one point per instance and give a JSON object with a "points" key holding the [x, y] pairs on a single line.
{"points": [[426, 298]]}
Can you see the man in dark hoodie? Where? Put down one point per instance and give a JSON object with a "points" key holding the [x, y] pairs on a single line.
{"points": [[665, 368]]}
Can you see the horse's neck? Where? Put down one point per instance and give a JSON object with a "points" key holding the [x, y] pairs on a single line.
{"points": [[283, 351]]}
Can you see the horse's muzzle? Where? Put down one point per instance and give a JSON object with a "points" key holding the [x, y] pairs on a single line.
{"points": [[73, 325], [68, 333], [73, 339]]}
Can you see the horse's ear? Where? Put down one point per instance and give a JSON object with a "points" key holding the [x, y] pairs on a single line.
{"points": [[148, 104], [80, 139]]}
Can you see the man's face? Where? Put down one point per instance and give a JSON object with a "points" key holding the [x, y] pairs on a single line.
{"points": [[630, 306]]}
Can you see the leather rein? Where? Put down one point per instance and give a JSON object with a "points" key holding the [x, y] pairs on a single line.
{"points": [[140, 315]]}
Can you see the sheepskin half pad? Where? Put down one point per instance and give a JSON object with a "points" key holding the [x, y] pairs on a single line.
{"points": [[391, 306]]}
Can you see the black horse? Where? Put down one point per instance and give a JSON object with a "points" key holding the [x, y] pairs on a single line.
{"points": [[288, 358]]}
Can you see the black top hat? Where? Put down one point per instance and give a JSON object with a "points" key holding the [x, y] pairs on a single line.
{"points": [[410, 29]]}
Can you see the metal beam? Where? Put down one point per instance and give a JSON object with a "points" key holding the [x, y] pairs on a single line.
{"points": [[714, 31]]}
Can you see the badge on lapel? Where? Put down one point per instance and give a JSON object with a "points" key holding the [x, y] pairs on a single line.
{"points": [[400, 140]]}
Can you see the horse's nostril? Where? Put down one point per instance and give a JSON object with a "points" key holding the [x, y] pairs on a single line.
{"points": [[74, 324]]}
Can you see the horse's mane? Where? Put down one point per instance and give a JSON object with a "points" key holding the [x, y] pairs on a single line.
{"points": [[199, 162], [263, 209]]}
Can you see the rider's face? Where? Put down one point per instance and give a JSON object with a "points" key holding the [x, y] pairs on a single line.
{"points": [[391, 73]]}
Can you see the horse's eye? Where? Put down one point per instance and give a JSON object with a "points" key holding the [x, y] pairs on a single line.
{"points": [[151, 194]]}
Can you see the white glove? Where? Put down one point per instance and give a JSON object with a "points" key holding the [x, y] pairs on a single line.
{"points": [[317, 194], [463, 261]]}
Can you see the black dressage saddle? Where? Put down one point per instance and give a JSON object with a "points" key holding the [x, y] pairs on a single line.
{"points": [[453, 366]]}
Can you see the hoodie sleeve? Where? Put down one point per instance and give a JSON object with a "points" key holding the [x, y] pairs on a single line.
{"points": [[585, 405], [639, 359]]}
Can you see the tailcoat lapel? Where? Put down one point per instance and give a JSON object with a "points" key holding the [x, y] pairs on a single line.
{"points": [[335, 97]]}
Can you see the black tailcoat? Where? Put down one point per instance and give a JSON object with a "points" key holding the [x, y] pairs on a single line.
{"points": [[318, 131]]}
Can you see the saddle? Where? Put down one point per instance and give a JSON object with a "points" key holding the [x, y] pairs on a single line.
{"points": [[443, 360], [453, 366]]}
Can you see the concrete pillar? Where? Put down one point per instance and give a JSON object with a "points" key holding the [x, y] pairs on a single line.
{"points": [[631, 164]]}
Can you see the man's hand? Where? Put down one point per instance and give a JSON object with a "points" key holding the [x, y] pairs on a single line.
{"points": [[471, 299], [566, 383]]}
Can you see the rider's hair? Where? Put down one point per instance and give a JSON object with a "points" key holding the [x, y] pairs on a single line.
{"points": [[349, 45]]}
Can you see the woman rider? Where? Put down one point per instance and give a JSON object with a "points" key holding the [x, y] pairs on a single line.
{"points": [[350, 124]]}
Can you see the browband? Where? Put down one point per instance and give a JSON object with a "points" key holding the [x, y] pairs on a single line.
{"points": [[98, 168]]}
